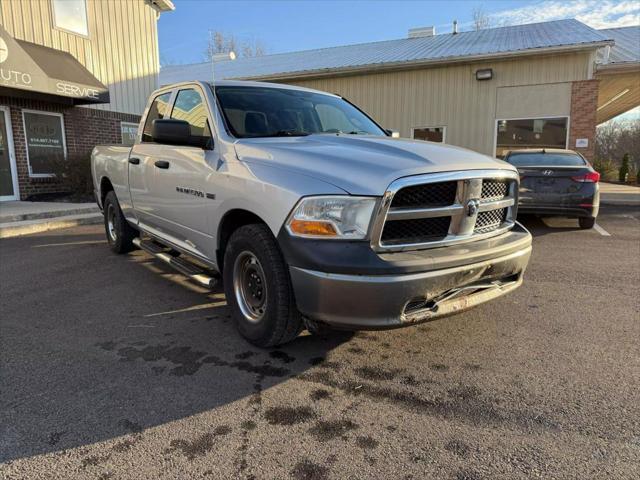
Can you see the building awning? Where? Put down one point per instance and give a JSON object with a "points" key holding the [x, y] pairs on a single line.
{"points": [[35, 70]]}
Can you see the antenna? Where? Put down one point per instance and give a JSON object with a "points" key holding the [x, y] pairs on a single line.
{"points": [[210, 52]]}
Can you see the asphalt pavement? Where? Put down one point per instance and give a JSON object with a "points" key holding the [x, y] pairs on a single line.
{"points": [[117, 367]]}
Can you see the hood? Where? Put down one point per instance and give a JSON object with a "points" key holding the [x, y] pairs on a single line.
{"points": [[361, 165]]}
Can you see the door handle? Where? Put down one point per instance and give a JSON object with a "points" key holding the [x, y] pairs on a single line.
{"points": [[134, 160], [162, 164]]}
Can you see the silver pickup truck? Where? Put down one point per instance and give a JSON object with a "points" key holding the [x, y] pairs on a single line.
{"points": [[310, 213]]}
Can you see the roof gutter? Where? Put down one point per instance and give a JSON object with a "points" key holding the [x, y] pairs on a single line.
{"points": [[381, 67], [162, 5], [614, 68]]}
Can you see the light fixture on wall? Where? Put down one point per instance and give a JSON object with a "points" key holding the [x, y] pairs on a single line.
{"points": [[613, 99], [484, 74]]}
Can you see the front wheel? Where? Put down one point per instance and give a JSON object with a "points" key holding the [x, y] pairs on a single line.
{"points": [[120, 234], [586, 222], [258, 288]]}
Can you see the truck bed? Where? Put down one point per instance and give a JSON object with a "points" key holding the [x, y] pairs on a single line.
{"points": [[111, 162]]}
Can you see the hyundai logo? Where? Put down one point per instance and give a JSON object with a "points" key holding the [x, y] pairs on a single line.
{"points": [[547, 172], [472, 207]]}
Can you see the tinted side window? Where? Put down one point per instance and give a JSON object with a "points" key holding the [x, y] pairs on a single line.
{"points": [[190, 107], [159, 109]]}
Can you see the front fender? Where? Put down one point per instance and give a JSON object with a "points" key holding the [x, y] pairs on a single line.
{"points": [[268, 192]]}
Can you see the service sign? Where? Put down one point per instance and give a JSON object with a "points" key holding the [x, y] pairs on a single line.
{"points": [[19, 70]]}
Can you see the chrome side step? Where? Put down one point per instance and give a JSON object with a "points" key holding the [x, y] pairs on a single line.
{"points": [[188, 269]]}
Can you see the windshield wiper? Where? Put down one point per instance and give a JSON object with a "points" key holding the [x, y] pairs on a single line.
{"points": [[342, 132], [288, 133]]}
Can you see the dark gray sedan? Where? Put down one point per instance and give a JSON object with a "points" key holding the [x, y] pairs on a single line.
{"points": [[557, 182]]}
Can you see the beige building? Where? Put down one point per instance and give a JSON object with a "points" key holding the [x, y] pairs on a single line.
{"points": [[73, 74], [490, 90]]}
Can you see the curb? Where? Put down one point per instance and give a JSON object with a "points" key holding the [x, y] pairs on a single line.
{"points": [[25, 217], [620, 203], [19, 228]]}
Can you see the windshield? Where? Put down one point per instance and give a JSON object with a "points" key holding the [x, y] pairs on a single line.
{"points": [[539, 159], [276, 112]]}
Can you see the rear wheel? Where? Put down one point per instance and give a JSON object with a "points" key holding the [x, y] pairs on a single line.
{"points": [[120, 234], [586, 222], [258, 288]]}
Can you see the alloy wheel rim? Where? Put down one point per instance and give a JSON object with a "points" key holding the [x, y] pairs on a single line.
{"points": [[250, 287]]}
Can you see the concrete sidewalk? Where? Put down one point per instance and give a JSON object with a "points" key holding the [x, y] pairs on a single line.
{"points": [[23, 218], [618, 194]]}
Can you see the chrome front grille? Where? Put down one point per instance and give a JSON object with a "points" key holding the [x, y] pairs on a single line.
{"points": [[494, 190], [489, 221], [435, 195], [433, 210], [415, 230]]}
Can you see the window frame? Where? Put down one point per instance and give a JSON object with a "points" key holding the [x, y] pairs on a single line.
{"points": [[26, 142], [443, 127], [539, 117], [66, 30]]}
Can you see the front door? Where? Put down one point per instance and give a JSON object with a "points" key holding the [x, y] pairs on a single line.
{"points": [[8, 173], [183, 201]]}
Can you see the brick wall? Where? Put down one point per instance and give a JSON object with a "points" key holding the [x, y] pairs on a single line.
{"points": [[584, 104], [84, 129]]}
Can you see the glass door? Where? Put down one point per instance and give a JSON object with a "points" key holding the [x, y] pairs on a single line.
{"points": [[8, 174]]}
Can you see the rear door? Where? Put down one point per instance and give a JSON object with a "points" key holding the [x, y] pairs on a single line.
{"points": [[142, 169]]}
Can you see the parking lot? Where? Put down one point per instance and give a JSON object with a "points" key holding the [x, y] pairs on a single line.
{"points": [[114, 366]]}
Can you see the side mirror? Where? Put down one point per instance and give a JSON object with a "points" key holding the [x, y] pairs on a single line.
{"points": [[169, 131], [393, 133]]}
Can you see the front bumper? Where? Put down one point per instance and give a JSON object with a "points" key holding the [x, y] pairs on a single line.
{"points": [[396, 300]]}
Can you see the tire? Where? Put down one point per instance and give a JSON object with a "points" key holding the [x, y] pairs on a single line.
{"points": [[586, 222], [120, 234], [258, 288]]}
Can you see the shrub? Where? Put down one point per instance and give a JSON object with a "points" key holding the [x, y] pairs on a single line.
{"points": [[607, 169], [624, 168], [74, 173]]}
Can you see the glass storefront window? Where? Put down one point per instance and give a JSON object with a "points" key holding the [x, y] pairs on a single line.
{"points": [[431, 134], [531, 133], [44, 134]]}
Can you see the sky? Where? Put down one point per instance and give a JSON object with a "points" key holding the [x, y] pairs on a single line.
{"points": [[292, 25]]}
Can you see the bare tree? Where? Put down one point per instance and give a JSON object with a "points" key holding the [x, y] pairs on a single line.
{"points": [[166, 61], [480, 18], [614, 139], [221, 42]]}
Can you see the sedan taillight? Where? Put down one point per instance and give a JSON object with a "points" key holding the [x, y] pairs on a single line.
{"points": [[591, 177]]}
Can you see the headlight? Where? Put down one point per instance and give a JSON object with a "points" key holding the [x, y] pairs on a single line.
{"points": [[335, 217]]}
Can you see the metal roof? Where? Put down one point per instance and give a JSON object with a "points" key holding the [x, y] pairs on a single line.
{"points": [[493, 42], [627, 47]]}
